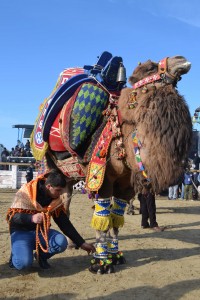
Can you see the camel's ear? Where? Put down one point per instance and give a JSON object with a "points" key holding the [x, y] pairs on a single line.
{"points": [[132, 80]]}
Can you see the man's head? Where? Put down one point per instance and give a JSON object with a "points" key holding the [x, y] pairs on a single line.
{"points": [[55, 183]]}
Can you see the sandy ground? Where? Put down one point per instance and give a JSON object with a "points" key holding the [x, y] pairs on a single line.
{"points": [[160, 265]]}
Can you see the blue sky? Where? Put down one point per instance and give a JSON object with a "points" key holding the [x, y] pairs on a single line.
{"points": [[39, 38]]}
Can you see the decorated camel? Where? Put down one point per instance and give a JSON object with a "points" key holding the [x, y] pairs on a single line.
{"points": [[134, 139]]}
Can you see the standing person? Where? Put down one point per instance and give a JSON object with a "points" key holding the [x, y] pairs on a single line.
{"points": [[28, 153], [12, 152], [20, 144], [148, 211], [173, 192], [29, 172], [196, 161], [188, 177], [27, 146], [29, 222], [4, 154]]}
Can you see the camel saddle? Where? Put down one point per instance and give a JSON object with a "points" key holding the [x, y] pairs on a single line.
{"points": [[76, 118]]}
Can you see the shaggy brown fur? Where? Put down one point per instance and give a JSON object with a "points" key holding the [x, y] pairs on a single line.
{"points": [[164, 127]]}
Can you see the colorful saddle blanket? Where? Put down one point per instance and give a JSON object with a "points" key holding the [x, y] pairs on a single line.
{"points": [[85, 109], [82, 116], [104, 71]]}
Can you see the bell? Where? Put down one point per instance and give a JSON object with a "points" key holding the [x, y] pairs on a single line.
{"points": [[121, 75], [144, 90]]}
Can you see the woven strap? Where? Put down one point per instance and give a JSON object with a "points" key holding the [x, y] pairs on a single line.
{"points": [[97, 165]]}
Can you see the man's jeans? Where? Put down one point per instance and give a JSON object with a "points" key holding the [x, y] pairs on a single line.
{"points": [[23, 243]]}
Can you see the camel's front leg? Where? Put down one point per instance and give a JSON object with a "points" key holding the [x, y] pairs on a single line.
{"points": [[66, 199], [117, 215], [101, 221]]}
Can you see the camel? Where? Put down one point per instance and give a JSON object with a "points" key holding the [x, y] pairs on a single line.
{"points": [[149, 135]]}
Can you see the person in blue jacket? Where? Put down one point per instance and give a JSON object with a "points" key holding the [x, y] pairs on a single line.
{"points": [[188, 178]]}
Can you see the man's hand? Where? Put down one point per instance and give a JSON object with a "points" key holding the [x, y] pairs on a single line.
{"points": [[37, 218], [88, 247]]}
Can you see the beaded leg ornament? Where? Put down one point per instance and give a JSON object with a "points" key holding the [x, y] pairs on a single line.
{"points": [[117, 212], [101, 250], [112, 246], [101, 219], [101, 264], [114, 254]]}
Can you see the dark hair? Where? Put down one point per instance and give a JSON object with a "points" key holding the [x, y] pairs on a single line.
{"points": [[55, 178]]}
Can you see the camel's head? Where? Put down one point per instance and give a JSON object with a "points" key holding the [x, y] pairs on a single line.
{"points": [[170, 70], [161, 118]]}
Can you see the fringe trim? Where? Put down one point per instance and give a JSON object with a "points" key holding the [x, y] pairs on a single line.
{"points": [[101, 223], [12, 211], [117, 221], [57, 212], [39, 153]]}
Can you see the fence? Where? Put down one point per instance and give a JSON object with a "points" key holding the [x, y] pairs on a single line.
{"points": [[14, 176]]}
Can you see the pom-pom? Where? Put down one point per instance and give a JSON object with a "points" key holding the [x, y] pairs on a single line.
{"points": [[90, 196]]}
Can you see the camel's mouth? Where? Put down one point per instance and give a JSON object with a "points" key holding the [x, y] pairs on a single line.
{"points": [[184, 69], [179, 67]]}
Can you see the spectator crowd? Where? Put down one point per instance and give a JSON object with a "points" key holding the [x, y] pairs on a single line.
{"points": [[19, 153], [189, 188]]}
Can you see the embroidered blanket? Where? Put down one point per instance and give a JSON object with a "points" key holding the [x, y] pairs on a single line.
{"points": [[82, 116]]}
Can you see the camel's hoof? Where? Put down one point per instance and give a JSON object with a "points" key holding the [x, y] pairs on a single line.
{"points": [[109, 269], [131, 213], [118, 258], [99, 266]]}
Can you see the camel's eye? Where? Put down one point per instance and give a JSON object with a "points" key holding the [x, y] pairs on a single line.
{"points": [[151, 67]]}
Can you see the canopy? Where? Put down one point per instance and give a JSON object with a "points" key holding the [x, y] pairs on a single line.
{"points": [[25, 129]]}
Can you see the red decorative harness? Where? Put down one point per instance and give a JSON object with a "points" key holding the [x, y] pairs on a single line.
{"points": [[162, 68]]}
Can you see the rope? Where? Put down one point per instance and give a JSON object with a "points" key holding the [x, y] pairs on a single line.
{"points": [[43, 228]]}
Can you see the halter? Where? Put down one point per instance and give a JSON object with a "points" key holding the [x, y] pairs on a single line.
{"points": [[161, 75]]}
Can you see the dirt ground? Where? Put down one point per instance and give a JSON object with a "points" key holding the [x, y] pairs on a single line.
{"points": [[160, 265]]}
